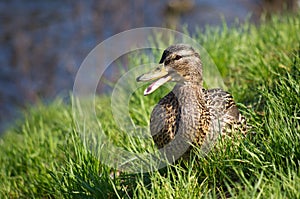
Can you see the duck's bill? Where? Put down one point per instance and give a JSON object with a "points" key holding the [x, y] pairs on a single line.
{"points": [[159, 75]]}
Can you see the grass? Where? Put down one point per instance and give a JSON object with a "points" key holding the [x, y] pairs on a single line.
{"points": [[43, 156]]}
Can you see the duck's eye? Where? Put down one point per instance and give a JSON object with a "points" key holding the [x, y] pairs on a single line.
{"points": [[167, 61], [177, 57]]}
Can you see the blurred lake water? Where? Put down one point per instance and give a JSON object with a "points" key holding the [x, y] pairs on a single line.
{"points": [[44, 42]]}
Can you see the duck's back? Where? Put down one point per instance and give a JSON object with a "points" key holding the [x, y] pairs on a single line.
{"points": [[224, 110]]}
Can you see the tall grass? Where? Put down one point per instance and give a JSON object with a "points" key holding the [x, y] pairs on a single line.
{"points": [[43, 156]]}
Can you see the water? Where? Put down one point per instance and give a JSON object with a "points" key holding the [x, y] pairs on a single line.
{"points": [[44, 42]]}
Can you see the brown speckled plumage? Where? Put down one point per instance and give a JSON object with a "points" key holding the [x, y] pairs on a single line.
{"points": [[189, 110]]}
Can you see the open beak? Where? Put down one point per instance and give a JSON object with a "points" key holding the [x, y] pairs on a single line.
{"points": [[159, 75]]}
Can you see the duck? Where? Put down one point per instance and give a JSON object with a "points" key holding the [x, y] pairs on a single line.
{"points": [[189, 115]]}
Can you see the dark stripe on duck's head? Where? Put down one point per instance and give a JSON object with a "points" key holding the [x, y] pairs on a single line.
{"points": [[173, 49]]}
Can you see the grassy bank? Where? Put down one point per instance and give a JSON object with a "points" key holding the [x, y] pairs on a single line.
{"points": [[42, 157]]}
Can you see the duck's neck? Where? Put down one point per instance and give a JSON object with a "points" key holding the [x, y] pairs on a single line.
{"points": [[188, 94], [191, 108], [191, 104]]}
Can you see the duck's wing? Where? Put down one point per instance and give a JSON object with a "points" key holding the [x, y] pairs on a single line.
{"points": [[163, 120], [223, 109]]}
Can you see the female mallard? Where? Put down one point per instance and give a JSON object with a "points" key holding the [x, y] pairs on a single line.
{"points": [[189, 114]]}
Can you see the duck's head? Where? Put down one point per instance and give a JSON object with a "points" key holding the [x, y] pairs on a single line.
{"points": [[179, 63]]}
